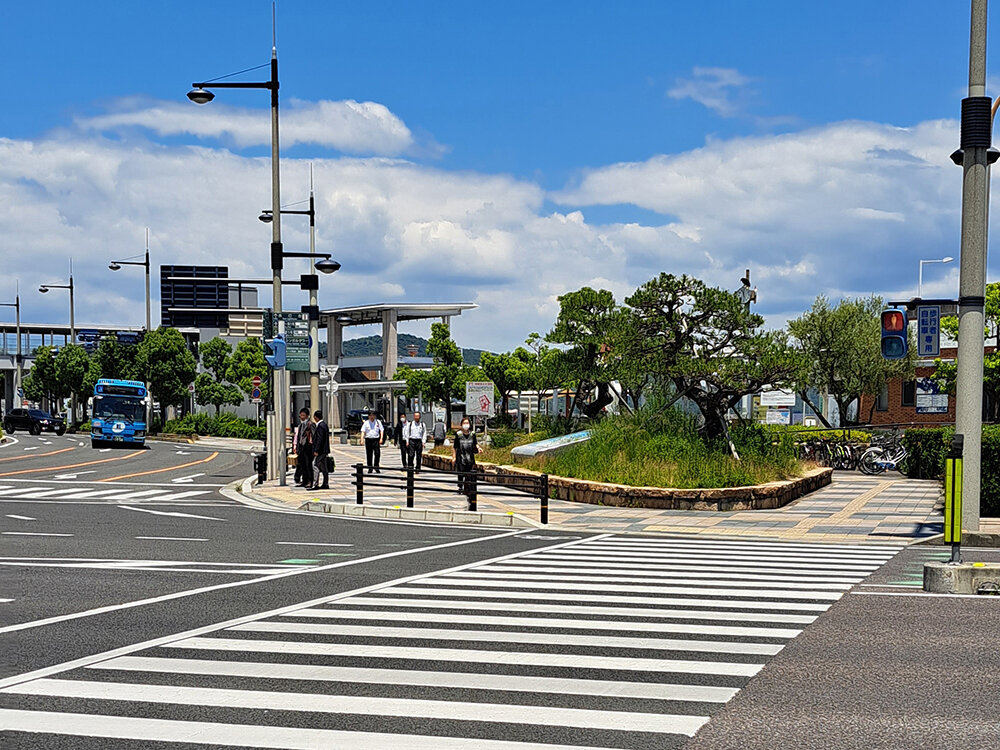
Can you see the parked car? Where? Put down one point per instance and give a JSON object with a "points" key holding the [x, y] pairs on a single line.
{"points": [[34, 421]]}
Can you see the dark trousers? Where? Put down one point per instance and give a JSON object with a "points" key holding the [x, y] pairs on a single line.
{"points": [[466, 478], [404, 451], [321, 467], [304, 465], [415, 453], [373, 452]]}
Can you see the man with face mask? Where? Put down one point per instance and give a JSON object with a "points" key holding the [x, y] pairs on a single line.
{"points": [[464, 451]]}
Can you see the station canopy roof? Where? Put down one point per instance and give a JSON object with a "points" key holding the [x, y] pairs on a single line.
{"points": [[368, 314]]}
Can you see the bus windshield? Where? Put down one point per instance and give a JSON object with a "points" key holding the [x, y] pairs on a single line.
{"points": [[119, 407]]}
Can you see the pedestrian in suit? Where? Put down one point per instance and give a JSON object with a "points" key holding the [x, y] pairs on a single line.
{"points": [[400, 441], [416, 434], [373, 432], [321, 452], [303, 450]]}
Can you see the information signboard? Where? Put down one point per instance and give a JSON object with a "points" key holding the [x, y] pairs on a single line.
{"points": [[777, 398], [778, 416], [929, 399], [296, 340], [929, 330], [479, 398]]}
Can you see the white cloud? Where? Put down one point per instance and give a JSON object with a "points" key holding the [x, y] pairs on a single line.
{"points": [[713, 88], [348, 126], [844, 209]]}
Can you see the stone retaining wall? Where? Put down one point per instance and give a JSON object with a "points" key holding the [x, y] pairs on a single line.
{"points": [[758, 497]]}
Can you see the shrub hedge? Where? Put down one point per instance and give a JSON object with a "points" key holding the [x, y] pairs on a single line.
{"points": [[927, 447], [224, 425]]}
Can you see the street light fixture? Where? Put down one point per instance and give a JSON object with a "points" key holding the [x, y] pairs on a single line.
{"points": [[200, 95], [116, 265], [920, 273], [44, 289]]}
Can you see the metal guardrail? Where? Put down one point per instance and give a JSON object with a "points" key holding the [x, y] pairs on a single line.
{"points": [[472, 484]]}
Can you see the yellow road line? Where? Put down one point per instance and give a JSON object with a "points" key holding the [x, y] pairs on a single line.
{"points": [[39, 455], [157, 471], [70, 466]]}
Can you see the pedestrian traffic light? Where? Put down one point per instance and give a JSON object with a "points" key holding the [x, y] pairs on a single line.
{"points": [[894, 334], [277, 358]]}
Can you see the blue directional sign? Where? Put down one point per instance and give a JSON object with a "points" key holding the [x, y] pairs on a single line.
{"points": [[929, 331]]}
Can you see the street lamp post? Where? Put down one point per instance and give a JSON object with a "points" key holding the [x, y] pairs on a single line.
{"points": [[18, 362], [200, 95], [116, 265], [326, 266], [920, 273], [44, 288]]}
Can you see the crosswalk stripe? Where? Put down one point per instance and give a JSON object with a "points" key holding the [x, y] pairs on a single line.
{"points": [[741, 556], [742, 581], [606, 598], [679, 614], [531, 658], [565, 565], [513, 636], [615, 575], [726, 544], [20, 490], [456, 680], [544, 622], [701, 558], [722, 592], [243, 735], [130, 495]]}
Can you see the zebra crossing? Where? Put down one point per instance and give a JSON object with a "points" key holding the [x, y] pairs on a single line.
{"points": [[10, 493], [605, 642]]}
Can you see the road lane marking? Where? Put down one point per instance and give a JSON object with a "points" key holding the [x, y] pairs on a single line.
{"points": [[505, 713], [315, 544], [32, 533], [74, 476], [189, 478], [39, 455], [457, 680], [32, 448], [158, 471], [170, 513], [172, 538], [125, 650], [103, 450], [70, 466], [21, 518]]}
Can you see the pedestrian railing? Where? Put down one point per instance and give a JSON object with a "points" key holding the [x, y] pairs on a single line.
{"points": [[471, 484]]}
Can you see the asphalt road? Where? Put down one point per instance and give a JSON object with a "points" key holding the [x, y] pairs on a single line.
{"points": [[141, 607]]}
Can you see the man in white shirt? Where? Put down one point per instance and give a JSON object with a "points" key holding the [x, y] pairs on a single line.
{"points": [[416, 434], [372, 431]]}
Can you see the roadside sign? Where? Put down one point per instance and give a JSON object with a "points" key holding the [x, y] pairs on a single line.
{"points": [[256, 381], [777, 398], [479, 398], [929, 330], [778, 416], [255, 395], [296, 339], [191, 388]]}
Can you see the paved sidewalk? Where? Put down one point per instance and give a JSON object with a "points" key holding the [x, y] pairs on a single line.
{"points": [[854, 508]]}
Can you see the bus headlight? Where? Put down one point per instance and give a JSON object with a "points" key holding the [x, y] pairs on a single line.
{"points": [[139, 433]]}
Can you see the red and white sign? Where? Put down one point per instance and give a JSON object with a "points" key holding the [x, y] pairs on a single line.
{"points": [[256, 381], [479, 399]]}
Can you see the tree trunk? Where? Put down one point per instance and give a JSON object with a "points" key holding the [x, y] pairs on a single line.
{"points": [[594, 408]]}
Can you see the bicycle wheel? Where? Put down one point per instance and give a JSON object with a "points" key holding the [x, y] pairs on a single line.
{"points": [[869, 461]]}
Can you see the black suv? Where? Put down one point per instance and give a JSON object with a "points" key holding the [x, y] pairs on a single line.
{"points": [[34, 421]]}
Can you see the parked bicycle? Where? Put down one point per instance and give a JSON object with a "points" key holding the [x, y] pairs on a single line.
{"points": [[886, 454]]}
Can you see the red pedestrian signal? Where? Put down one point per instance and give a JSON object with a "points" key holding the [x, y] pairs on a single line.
{"points": [[894, 334]]}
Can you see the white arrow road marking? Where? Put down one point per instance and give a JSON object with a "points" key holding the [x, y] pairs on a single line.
{"points": [[170, 513], [22, 518], [183, 453], [32, 448], [103, 450], [191, 478], [73, 476]]}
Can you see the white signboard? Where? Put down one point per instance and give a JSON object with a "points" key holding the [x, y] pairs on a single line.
{"points": [[777, 398], [479, 399], [778, 416], [929, 399]]}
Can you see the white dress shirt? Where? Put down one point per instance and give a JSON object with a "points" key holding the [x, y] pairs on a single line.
{"points": [[371, 429], [415, 431]]}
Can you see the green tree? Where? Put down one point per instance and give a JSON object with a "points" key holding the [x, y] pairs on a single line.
{"points": [[448, 376], [587, 318], [246, 362], [113, 359], [167, 365], [509, 372], [543, 372], [42, 382], [842, 345], [211, 387], [72, 365], [706, 344]]}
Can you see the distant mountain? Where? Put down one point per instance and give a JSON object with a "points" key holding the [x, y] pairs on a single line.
{"points": [[370, 346]]}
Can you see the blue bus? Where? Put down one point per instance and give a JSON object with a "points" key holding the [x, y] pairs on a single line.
{"points": [[119, 412]]}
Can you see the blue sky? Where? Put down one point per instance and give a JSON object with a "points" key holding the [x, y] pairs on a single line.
{"points": [[501, 153]]}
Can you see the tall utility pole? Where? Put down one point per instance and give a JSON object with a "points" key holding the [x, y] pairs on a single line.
{"points": [[313, 301], [976, 139]]}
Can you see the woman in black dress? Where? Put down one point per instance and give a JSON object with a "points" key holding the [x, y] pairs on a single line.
{"points": [[464, 451]]}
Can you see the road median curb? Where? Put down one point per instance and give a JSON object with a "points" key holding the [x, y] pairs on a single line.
{"points": [[421, 514]]}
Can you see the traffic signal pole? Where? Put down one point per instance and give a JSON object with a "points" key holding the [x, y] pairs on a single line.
{"points": [[976, 139]]}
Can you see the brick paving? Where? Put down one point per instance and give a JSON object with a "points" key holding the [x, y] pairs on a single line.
{"points": [[854, 508]]}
